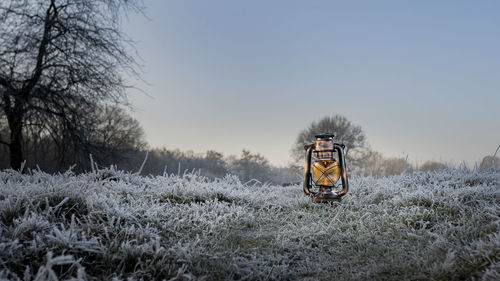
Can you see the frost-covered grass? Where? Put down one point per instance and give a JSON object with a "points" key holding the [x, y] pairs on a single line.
{"points": [[113, 225]]}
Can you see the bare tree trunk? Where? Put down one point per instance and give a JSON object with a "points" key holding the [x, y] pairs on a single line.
{"points": [[16, 138]]}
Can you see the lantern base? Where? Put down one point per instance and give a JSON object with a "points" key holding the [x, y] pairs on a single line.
{"points": [[325, 195]]}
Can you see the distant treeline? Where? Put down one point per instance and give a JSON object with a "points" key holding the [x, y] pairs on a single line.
{"points": [[248, 166], [378, 165], [115, 138], [53, 156]]}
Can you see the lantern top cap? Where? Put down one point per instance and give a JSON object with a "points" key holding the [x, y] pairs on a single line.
{"points": [[324, 136]]}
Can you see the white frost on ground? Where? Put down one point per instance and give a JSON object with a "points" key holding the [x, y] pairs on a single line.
{"points": [[113, 225]]}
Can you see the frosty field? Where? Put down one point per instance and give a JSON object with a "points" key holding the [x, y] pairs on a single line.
{"points": [[113, 225]]}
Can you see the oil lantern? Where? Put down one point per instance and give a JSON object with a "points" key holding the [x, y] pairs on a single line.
{"points": [[322, 170]]}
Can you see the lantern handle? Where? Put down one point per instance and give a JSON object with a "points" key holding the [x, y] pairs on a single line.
{"points": [[307, 171], [345, 184]]}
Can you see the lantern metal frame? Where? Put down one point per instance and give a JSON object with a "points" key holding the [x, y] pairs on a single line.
{"points": [[325, 193]]}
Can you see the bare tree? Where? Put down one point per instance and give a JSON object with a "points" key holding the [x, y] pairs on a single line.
{"points": [[111, 135], [115, 129], [214, 164], [345, 132], [59, 60], [251, 166]]}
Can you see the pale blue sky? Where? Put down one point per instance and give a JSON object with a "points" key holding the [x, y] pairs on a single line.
{"points": [[420, 77]]}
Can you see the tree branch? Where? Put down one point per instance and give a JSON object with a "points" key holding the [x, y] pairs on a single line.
{"points": [[42, 49]]}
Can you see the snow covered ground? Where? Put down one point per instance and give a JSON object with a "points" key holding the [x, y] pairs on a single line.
{"points": [[113, 225]]}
